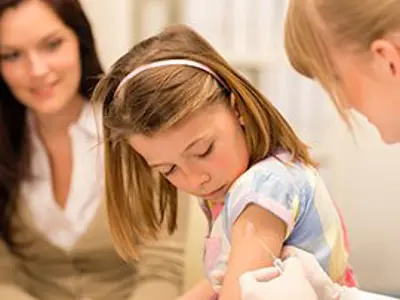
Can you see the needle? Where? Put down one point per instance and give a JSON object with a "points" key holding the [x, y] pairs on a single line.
{"points": [[277, 263]]}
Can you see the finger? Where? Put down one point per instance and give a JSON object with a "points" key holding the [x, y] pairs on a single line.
{"points": [[247, 280], [289, 251], [264, 274], [272, 273]]}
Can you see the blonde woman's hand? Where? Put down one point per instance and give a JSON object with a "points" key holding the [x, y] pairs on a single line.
{"points": [[323, 286], [269, 284]]}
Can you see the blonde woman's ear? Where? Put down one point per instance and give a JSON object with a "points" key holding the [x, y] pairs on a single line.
{"points": [[387, 56]]}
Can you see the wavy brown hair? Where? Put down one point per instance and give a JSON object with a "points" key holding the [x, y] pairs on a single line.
{"points": [[138, 200]]}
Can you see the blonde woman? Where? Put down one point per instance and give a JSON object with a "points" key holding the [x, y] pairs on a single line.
{"points": [[353, 49]]}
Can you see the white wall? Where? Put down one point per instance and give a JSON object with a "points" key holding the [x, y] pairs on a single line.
{"points": [[367, 188], [112, 22]]}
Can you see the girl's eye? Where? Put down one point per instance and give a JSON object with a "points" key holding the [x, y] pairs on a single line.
{"points": [[208, 151]]}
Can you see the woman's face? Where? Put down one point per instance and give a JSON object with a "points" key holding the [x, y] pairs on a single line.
{"points": [[40, 58], [371, 84]]}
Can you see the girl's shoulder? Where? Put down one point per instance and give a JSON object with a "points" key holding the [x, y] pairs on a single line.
{"points": [[277, 170], [277, 184]]}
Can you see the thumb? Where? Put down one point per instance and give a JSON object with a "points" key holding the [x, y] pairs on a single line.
{"points": [[288, 252], [265, 274]]}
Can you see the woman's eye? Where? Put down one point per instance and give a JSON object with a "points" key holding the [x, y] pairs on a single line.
{"points": [[12, 56], [54, 44], [169, 172]]}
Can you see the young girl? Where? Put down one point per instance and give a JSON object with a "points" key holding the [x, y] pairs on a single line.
{"points": [[177, 116]]}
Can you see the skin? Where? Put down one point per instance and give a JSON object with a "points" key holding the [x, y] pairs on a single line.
{"points": [[200, 155], [40, 62], [371, 83]]}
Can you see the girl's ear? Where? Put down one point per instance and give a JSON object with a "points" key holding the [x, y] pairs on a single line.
{"points": [[232, 99]]}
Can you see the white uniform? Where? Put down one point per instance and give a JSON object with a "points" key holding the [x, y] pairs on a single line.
{"points": [[368, 296], [305, 277]]}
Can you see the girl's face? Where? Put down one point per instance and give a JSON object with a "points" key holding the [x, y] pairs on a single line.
{"points": [[202, 155], [39, 57], [371, 83]]}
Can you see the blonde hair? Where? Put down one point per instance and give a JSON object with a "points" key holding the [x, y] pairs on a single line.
{"points": [[138, 201], [348, 24]]}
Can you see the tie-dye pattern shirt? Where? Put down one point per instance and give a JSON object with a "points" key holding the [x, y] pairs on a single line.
{"points": [[297, 195]]}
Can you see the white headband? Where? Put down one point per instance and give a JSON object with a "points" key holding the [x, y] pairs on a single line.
{"points": [[168, 62]]}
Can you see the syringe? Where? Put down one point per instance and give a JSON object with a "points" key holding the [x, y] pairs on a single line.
{"points": [[277, 262]]}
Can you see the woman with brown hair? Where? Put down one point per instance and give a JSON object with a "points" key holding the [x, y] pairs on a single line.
{"points": [[53, 227]]}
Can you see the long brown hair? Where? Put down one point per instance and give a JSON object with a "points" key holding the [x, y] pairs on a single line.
{"points": [[14, 146], [139, 201]]}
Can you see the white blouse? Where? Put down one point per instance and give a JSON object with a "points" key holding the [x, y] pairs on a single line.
{"points": [[64, 227]]}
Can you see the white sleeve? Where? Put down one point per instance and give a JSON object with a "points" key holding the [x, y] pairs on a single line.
{"points": [[370, 296], [355, 294]]}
